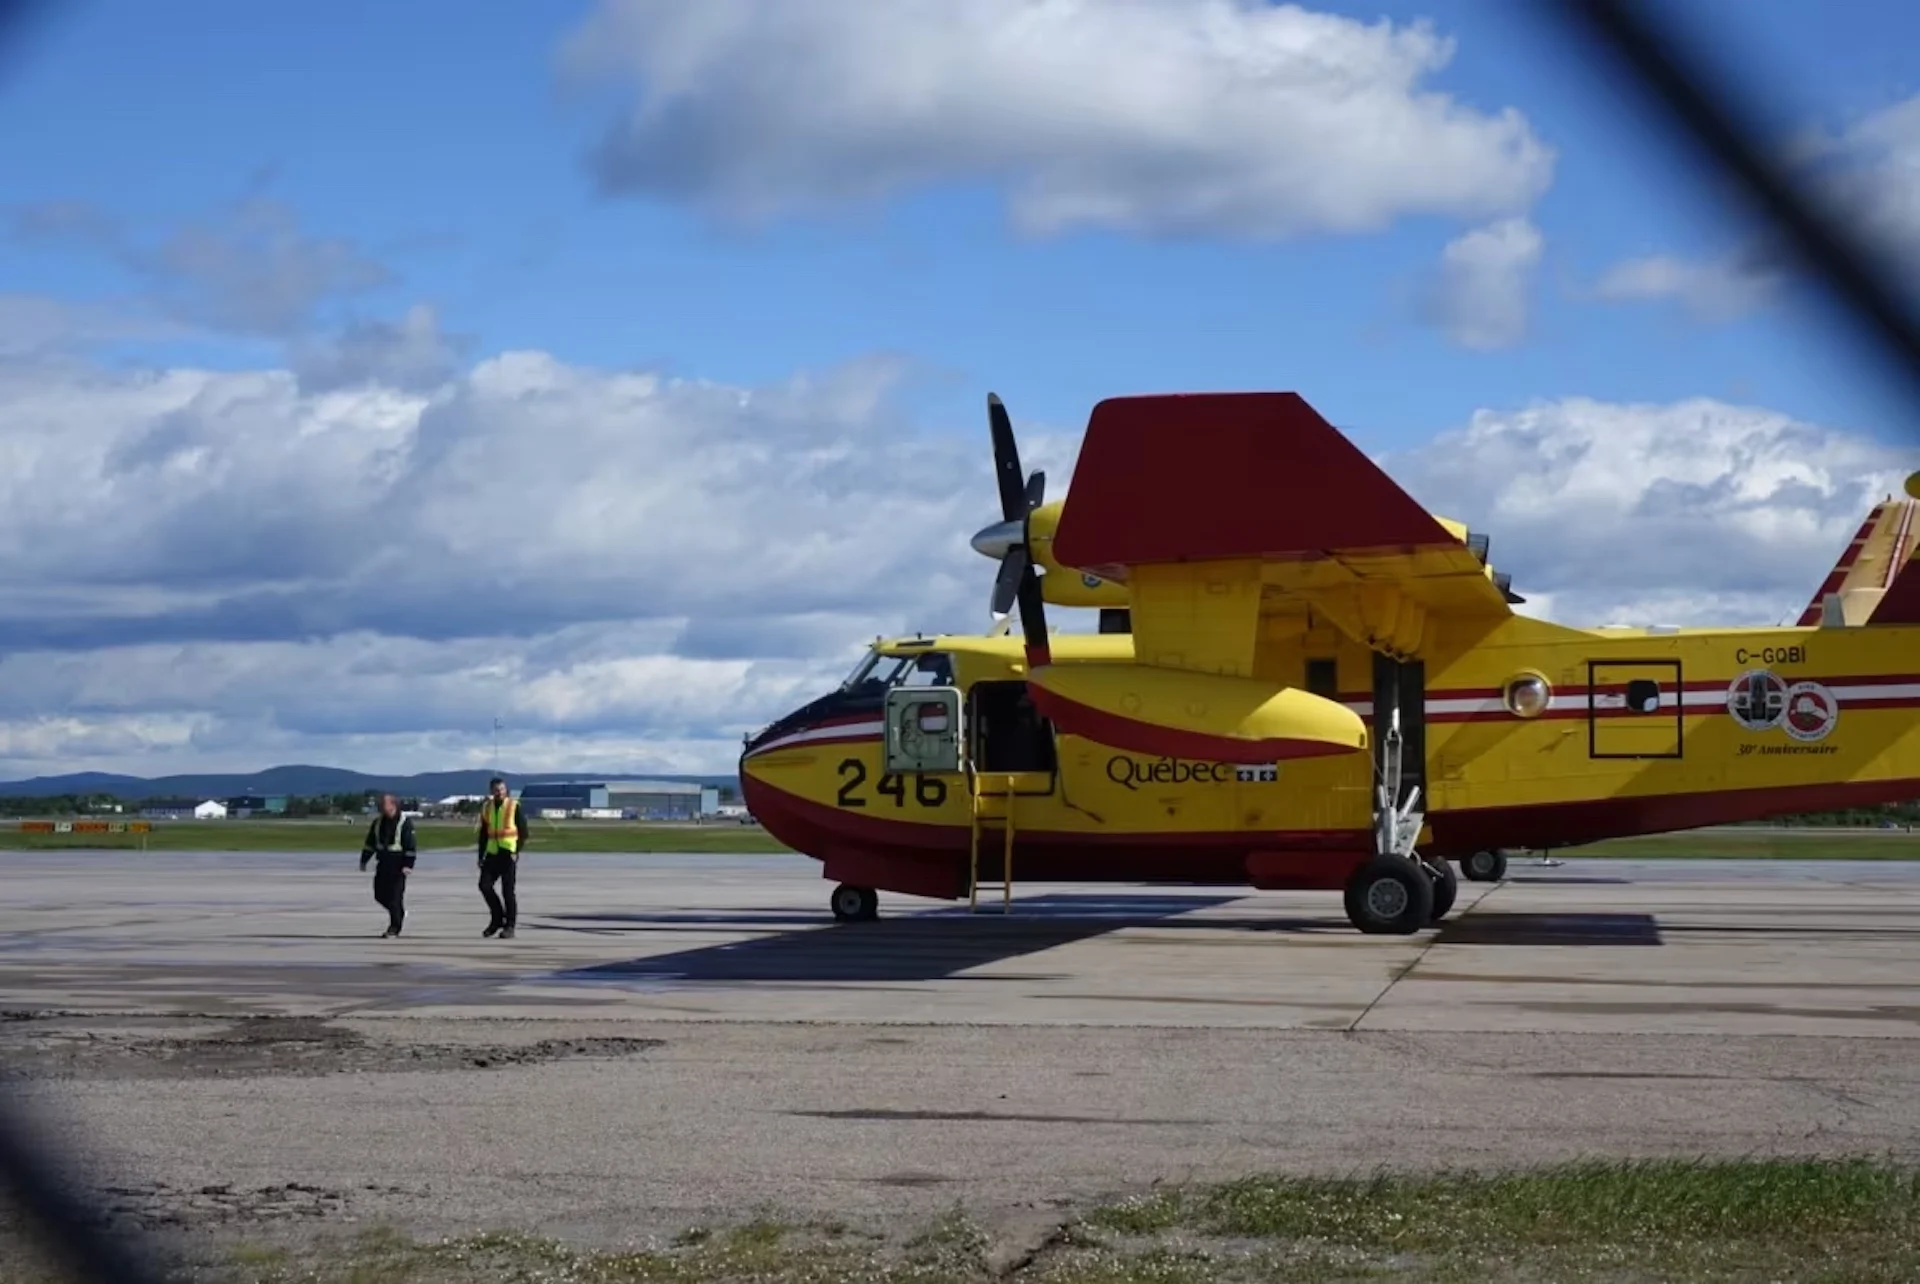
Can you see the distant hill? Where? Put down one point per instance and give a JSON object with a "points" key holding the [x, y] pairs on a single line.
{"points": [[305, 782]]}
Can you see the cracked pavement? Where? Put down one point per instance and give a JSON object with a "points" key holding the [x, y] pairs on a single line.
{"points": [[682, 1041]]}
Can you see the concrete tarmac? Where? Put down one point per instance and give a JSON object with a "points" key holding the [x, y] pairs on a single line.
{"points": [[681, 1039]]}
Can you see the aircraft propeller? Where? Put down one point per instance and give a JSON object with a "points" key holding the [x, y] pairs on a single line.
{"points": [[1006, 540]]}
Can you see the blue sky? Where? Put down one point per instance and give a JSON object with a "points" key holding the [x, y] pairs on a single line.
{"points": [[1019, 215]]}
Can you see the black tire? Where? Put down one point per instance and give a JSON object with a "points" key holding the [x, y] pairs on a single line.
{"points": [[1390, 895], [1485, 867], [1446, 889], [852, 904]]}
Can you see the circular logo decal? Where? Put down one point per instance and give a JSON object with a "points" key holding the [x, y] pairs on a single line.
{"points": [[1091, 581], [1811, 711], [1758, 699]]}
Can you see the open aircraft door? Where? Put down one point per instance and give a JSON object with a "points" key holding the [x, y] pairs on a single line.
{"points": [[1634, 709]]}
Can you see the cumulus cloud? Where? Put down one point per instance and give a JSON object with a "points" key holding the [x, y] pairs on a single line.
{"points": [[412, 354], [249, 269], [1871, 168], [1151, 116], [523, 495], [1697, 512], [1480, 297], [1867, 172], [37, 325], [1713, 290], [213, 566]]}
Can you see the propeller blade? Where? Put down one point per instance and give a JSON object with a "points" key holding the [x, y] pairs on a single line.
{"points": [[1006, 460], [1006, 585], [1037, 489], [1033, 619]]}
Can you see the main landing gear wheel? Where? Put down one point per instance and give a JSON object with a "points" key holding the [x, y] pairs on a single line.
{"points": [[1390, 895], [1446, 888], [854, 904], [1485, 867]]}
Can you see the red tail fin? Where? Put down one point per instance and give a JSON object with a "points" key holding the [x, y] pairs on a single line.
{"points": [[1837, 577], [1900, 601]]}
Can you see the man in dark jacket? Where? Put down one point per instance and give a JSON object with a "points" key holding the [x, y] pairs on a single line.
{"points": [[501, 838], [390, 842]]}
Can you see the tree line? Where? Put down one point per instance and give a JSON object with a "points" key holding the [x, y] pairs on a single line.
{"points": [[354, 804]]}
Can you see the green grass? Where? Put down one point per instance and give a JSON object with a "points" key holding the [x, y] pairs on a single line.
{"points": [[1733, 1222], [1758, 844], [1847, 1220], [337, 835]]}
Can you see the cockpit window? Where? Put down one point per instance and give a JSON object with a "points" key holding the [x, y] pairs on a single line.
{"points": [[878, 671], [930, 669]]}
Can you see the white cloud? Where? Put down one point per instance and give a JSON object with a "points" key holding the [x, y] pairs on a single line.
{"points": [[223, 570], [1872, 166], [1867, 172], [1480, 298], [1714, 290], [412, 353], [219, 567], [1696, 512], [247, 269], [35, 324], [1152, 116]]}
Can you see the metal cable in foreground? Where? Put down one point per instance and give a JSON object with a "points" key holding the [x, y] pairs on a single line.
{"points": [[1703, 107]]}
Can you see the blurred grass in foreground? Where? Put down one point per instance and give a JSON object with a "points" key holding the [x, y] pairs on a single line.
{"points": [[1666, 1220]]}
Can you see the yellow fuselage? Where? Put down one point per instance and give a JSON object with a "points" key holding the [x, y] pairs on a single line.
{"points": [[1737, 724]]}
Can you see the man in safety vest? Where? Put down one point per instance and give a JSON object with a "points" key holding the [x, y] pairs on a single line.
{"points": [[390, 842], [503, 833]]}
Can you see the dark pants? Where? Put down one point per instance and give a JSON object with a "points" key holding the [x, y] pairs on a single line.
{"points": [[500, 868], [390, 889]]}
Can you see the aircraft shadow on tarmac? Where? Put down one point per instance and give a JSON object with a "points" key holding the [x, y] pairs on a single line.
{"points": [[1568, 880], [1551, 929], [930, 946]]}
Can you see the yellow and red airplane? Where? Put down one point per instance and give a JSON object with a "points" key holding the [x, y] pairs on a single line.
{"points": [[1303, 679]]}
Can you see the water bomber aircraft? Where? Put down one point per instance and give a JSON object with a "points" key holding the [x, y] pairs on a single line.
{"points": [[1302, 679]]}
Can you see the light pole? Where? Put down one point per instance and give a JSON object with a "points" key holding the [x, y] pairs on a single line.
{"points": [[496, 746]]}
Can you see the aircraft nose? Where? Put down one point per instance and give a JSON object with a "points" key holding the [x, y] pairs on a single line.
{"points": [[995, 540]]}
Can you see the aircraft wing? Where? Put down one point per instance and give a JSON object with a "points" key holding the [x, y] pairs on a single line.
{"points": [[1222, 511]]}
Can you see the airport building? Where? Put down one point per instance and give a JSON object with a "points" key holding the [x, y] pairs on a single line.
{"points": [[257, 804], [184, 809], [621, 799]]}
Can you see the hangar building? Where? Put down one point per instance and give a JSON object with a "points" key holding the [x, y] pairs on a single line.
{"points": [[624, 799]]}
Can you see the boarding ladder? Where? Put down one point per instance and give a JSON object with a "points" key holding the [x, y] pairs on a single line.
{"points": [[993, 794]]}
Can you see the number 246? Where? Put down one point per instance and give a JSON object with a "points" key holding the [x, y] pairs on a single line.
{"points": [[928, 791]]}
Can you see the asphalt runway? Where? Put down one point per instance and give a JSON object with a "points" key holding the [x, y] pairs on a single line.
{"points": [[681, 1039]]}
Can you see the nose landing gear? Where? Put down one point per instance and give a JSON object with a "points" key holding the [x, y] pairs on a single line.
{"points": [[852, 904], [1485, 867]]}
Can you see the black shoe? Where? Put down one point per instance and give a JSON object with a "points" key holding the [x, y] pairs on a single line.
{"points": [[492, 929], [506, 933], [389, 932]]}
